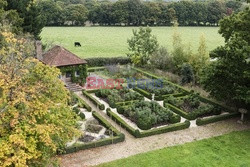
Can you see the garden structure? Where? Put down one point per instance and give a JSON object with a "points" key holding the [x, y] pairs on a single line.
{"points": [[73, 68]]}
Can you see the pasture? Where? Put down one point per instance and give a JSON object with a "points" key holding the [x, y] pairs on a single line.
{"points": [[112, 41]]}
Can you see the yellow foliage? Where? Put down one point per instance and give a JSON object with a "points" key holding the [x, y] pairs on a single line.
{"points": [[32, 124]]}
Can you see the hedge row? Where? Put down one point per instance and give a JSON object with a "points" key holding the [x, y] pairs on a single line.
{"points": [[119, 137], [138, 134], [121, 122], [204, 121], [93, 100], [93, 69], [144, 93], [179, 111], [159, 98], [146, 73], [125, 103], [83, 103], [206, 100], [103, 61]]}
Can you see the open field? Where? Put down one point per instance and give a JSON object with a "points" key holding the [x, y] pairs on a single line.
{"points": [[112, 41], [229, 150]]}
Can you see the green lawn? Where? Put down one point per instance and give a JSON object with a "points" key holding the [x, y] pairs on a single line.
{"points": [[112, 41], [231, 150]]}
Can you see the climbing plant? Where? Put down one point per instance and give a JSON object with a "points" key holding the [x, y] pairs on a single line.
{"points": [[82, 69]]}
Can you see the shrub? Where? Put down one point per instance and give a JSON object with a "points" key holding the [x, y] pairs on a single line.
{"points": [[161, 59], [82, 115], [187, 73]]}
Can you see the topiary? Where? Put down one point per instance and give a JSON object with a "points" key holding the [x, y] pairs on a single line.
{"points": [[82, 115]]}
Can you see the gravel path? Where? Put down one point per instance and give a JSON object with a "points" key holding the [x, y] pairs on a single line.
{"points": [[132, 146]]}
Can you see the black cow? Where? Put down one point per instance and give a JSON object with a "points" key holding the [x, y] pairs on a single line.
{"points": [[78, 44]]}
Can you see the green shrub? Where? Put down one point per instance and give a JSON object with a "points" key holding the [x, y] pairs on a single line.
{"points": [[187, 73], [93, 100], [82, 115]]}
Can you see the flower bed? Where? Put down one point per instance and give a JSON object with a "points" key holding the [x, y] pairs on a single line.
{"points": [[191, 107], [147, 115], [113, 96]]}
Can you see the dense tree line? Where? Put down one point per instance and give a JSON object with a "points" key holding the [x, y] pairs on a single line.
{"points": [[136, 12]]}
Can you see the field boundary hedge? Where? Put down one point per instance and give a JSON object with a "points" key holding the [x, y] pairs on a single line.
{"points": [[139, 134], [217, 118], [119, 137], [104, 61], [93, 100], [93, 69]]}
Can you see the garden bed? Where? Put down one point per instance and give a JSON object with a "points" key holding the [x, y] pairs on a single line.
{"points": [[114, 96], [147, 115], [96, 132], [192, 107]]}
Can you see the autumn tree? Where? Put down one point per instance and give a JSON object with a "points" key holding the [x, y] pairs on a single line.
{"points": [[35, 119]]}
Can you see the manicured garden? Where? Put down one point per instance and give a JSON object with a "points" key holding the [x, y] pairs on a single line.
{"points": [[151, 105], [229, 150]]}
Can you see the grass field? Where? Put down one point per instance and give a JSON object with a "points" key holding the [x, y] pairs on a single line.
{"points": [[230, 150], [112, 41]]}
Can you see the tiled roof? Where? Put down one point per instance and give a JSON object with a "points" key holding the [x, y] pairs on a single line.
{"points": [[59, 56]]}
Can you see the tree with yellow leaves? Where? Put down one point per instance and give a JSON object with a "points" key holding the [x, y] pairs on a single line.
{"points": [[35, 119]]}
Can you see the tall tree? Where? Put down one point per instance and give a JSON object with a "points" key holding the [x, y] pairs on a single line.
{"points": [[228, 78], [28, 10]]}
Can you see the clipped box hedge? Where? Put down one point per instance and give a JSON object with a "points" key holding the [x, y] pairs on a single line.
{"points": [[93, 69], [146, 73], [139, 134], [179, 111], [93, 100], [144, 93], [83, 103], [213, 102], [204, 121], [118, 137]]}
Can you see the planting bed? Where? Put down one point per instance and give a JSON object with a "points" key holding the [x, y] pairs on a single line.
{"points": [[147, 115], [191, 107], [113, 96], [120, 72]]}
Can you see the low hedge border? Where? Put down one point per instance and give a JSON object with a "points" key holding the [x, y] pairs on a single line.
{"points": [[138, 134], [179, 111], [160, 98], [213, 102], [85, 105], [93, 69], [144, 93], [93, 100], [125, 103], [164, 80], [204, 121], [146, 73], [119, 137]]}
